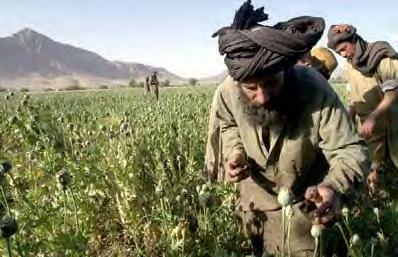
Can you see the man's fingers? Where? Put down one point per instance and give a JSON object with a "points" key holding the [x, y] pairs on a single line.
{"points": [[325, 214], [323, 209], [236, 159], [326, 220], [235, 172], [243, 174], [240, 176], [312, 194], [365, 132], [372, 181], [231, 179], [372, 188]]}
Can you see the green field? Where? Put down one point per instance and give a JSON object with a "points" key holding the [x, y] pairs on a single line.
{"points": [[114, 173]]}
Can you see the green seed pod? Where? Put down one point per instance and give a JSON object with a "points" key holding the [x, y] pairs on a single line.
{"points": [[8, 227], [205, 199], [193, 223], [5, 166], [24, 102], [35, 118], [64, 178], [61, 119], [70, 126], [13, 119]]}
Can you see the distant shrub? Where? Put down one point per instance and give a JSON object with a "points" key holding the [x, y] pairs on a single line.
{"points": [[133, 83], [192, 82], [165, 83], [48, 89], [73, 87], [2, 89], [103, 87], [23, 89]]}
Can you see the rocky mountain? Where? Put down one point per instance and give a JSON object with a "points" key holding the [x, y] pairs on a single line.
{"points": [[32, 60]]}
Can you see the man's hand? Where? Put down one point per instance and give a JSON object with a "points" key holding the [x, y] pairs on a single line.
{"points": [[327, 202], [368, 127], [236, 167], [372, 180]]}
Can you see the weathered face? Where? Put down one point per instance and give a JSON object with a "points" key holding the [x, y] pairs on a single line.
{"points": [[263, 90], [259, 96], [346, 50]]}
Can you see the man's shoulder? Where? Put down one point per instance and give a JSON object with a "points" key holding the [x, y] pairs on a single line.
{"points": [[226, 83], [227, 86], [311, 81], [386, 64]]}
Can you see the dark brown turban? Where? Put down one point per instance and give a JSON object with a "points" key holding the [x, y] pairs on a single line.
{"points": [[251, 49], [340, 33]]}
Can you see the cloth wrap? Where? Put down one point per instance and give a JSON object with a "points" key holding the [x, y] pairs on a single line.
{"points": [[252, 49]]}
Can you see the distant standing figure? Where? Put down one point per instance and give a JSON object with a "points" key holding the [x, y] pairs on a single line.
{"points": [[147, 87], [154, 84]]}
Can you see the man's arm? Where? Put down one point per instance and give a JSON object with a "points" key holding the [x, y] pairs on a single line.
{"points": [[342, 147], [232, 147], [229, 129], [388, 73], [384, 106], [347, 156]]}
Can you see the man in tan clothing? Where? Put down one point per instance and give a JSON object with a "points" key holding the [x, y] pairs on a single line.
{"points": [[283, 126], [320, 58], [372, 74]]}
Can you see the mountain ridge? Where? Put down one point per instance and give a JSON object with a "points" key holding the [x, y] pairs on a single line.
{"points": [[33, 60]]}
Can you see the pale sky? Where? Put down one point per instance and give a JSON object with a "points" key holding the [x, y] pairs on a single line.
{"points": [[176, 34]]}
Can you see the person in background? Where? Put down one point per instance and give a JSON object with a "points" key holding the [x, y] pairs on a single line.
{"points": [[372, 74], [154, 84], [321, 59]]}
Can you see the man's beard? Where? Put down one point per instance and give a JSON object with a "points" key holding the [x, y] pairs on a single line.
{"points": [[257, 114]]}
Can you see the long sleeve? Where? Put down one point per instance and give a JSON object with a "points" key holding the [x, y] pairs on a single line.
{"points": [[342, 147], [229, 129], [388, 74]]}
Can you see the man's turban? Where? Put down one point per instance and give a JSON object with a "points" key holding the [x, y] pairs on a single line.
{"points": [[251, 49]]}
